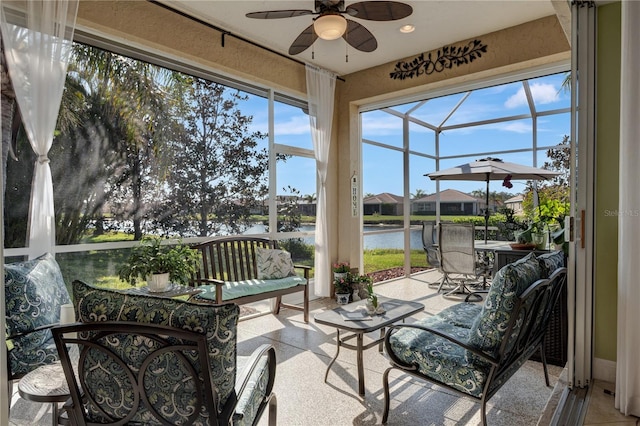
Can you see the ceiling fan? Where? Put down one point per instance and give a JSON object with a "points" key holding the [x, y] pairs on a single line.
{"points": [[330, 24]]}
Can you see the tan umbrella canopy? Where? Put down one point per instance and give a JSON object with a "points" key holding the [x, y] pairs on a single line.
{"points": [[488, 169]]}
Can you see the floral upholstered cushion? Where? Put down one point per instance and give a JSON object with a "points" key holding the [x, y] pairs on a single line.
{"points": [[488, 330], [273, 264], [438, 358], [34, 291], [249, 402], [549, 262], [218, 322]]}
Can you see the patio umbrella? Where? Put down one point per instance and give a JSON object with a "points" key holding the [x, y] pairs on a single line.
{"points": [[488, 169]]}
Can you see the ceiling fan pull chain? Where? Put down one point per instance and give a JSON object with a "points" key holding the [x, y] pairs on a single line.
{"points": [[346, 47]]}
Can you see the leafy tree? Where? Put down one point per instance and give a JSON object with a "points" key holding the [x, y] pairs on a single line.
{"points": [[553, 195], [418, 194], [105, 137], [289, 220], [289, 217], [218, 170]]}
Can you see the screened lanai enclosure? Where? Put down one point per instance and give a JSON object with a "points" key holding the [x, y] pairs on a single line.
{"points": [[525, 122], [148, 145]]}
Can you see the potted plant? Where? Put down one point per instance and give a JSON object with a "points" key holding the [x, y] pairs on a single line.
{"points": [[539, 234], [373, 307], [340, 270], [159, 264], [360, 284], [342, 287]]}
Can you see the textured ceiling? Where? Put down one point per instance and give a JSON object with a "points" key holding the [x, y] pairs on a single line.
{"points": [[437, 23]]}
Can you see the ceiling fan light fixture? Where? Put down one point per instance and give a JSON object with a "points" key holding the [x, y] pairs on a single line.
{"points": [[407, 28], [330, 26]]}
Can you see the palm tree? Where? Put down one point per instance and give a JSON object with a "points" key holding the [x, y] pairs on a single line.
{"points": [[418, 194]]}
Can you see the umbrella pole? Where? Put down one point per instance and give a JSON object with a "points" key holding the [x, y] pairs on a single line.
{"points": [[486, 213]]}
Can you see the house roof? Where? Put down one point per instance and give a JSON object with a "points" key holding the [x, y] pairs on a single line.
{"points": [[449, 196], [517, 199], [384, 198]]}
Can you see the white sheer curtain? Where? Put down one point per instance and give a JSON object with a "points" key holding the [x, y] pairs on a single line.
{"points": [[627, 368], [321, 86], [37, 36]]}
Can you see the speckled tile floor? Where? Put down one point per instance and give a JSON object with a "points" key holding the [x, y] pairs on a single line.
{"points": [[601, 410], [305, 350]]}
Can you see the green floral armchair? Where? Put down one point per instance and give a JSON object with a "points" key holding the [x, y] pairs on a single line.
{"points": [[124, 336], [34, 292], [474, 349]]}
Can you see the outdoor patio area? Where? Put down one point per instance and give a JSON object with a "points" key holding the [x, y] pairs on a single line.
{"points": [[305, 350]]}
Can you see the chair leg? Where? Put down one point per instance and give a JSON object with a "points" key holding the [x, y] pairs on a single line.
{"points": [[306, 304], [483, 411], [385, 385], [273, 410], [544, 363], [459, 289], [10, 394], [276, 310]]}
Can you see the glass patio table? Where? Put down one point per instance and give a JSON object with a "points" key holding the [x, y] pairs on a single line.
{"points": [[395, 310]]}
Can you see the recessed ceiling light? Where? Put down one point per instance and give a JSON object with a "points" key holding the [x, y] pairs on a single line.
{"points": [[407, 28]]}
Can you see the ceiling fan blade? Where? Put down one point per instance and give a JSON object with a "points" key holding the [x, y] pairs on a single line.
{"points": [[379, 10], [359, 37], [277, 14], [304, 40]]}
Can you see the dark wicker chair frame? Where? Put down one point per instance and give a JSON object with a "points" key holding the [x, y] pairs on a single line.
{"points": [[171, 343], [234, 259], [533, 311]]}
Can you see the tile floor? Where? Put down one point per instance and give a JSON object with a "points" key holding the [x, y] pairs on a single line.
{"points": [[601, 410], [305, 350]]}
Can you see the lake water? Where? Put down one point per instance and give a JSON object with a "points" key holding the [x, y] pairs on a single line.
{"points": [[386, 240]]}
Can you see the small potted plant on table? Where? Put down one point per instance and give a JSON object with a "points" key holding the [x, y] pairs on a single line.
{"points": [[341, 270], [159, 264], [373, 305], [343, 289]]}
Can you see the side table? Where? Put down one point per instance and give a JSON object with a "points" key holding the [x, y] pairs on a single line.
{"points": [[46, 384], [395, 310]]}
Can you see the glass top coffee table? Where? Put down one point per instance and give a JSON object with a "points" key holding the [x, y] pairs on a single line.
{"points": [[395, 310]]}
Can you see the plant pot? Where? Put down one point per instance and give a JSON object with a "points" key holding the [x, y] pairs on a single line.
{"points": [[342, 298], [158, 282], [539, 239]]}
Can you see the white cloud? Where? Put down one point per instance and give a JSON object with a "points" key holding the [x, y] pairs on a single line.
{"points": [[515, 127], [296, 125], [382, 126], [542, 94]]}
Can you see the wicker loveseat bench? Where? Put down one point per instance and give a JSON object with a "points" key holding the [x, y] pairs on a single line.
{"points": [[474, 349], [243, 270]]}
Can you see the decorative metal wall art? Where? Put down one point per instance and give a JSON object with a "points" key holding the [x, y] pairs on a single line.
{"points": [[446, 58]]}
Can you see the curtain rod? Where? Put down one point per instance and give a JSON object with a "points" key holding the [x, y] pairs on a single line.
{"points": [[228, 33]]}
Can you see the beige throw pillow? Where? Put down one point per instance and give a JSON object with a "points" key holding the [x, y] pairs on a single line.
{"points": [[274, 264]]}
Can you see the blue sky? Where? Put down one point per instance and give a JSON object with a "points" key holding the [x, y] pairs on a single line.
{"points": [[382, 169]]}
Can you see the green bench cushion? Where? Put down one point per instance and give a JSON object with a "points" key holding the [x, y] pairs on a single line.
{"points": [[235, 289]]}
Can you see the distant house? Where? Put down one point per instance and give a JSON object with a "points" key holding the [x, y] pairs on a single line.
{"points": [[383, 204], [452, 202], [515, 204]]}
